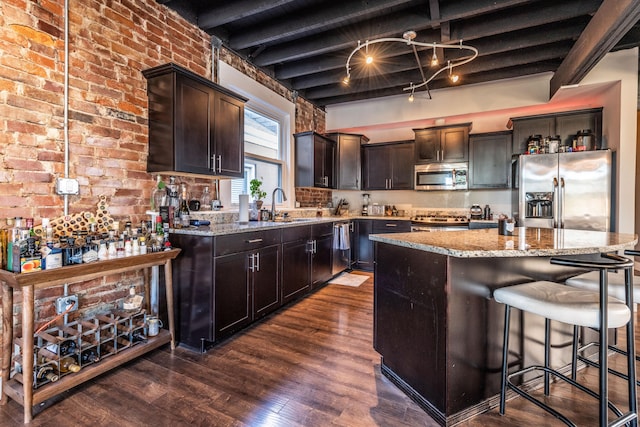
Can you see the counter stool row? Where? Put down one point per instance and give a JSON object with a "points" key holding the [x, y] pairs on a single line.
{"points": [[581, 306]]}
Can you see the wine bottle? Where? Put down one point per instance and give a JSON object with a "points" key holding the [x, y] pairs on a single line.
{"points": [[63, 348], [89, 355], [46, 373], [68, 364], [183, 212]]}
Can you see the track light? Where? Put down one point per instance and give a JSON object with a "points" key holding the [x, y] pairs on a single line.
{"points": [[434, 57], [453, 77], [346, 80], [408, 39]]}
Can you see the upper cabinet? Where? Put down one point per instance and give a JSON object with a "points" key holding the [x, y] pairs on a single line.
{"points": [[348, 160], [195, 125], [566, 124], [388, 166], [315, 158], [490, 160], [442, 144]]}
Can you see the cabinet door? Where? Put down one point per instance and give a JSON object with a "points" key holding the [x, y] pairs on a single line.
{"points": [[232, 293], [321, 261], [228, 134], [524, 128], [296, 270], [568, 125], [304, 158], [376, 168], [402, 166], [266, 281], [323, 159], [363, 246], [349, 164], [454, 144], [427, 146], [490, 160], [193, 110]]}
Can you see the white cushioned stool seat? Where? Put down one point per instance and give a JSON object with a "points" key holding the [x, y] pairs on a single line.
{"points": [[563, 303], [615, 280]]}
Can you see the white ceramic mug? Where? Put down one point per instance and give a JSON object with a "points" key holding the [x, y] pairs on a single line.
{"points": [[154, 326]]}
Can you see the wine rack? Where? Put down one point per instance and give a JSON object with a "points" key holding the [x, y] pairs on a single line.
{"points": [[82, 343], [123, 337]]}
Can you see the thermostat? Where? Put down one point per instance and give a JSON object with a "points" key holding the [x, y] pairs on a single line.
{"points": [[66, 186]]}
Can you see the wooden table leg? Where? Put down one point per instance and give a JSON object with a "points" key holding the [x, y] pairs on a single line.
{"points": [[27, 350], [7, 338], [147, 290], [168, 279]]}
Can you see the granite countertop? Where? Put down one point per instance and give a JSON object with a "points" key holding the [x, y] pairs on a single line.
{"points": [[524, 242], [237, 227]]}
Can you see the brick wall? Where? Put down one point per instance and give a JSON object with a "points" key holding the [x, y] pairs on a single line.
{"points": [[311, 197], [110, 44]]}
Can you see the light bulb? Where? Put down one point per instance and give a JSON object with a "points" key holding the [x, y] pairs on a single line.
{"points": [[346, 80], [411, 98], [369, 59], [454, 78], [434, 58]]}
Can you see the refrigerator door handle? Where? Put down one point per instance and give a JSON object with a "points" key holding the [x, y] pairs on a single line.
{"points": [[556, 203], [561, 207]]}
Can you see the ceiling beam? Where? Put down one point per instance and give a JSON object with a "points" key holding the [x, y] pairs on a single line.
{"points": [[227, 12], [320, 20], [611, 22]]}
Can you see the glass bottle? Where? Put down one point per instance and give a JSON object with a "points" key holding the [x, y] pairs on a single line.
{"points": [[89, 355], [143, 245], [68, 364], [184, 213], [205, 199], [158, 195], [46, 373]]}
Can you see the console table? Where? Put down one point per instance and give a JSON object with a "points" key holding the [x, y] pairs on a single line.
{"points": [[27, 283]]}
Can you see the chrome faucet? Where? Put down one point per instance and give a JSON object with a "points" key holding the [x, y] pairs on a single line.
{"points": [[273, 202]]}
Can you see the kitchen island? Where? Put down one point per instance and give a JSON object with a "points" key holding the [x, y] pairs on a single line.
{"points": [[436, 326]]}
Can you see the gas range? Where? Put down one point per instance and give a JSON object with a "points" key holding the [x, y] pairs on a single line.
{"points": [[440, 220]]}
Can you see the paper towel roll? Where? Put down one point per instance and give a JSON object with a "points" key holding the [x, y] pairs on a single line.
{"points": [[244, 208]]}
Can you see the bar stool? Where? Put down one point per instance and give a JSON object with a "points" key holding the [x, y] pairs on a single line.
{"points": [[617, 283], [555, 301]]}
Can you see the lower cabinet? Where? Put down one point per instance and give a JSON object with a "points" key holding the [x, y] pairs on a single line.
{"points": [[224, 283], [246, 288], [364, 247], [307, 251]]}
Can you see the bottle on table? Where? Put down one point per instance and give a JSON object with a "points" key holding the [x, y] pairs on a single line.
{"points": [[68, 364], [183, 212]]}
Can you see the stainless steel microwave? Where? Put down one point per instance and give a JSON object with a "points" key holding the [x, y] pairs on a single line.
{"points": [[441, 176]]}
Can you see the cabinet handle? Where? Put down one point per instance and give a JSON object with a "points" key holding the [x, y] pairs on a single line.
{"points": [[309, 246], [314, 247], [219, 163], [212, 165], [257, 261], [253, 240], [252, 262], [391, 225]]}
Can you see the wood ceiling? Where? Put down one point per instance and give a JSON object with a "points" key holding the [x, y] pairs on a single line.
{"points": [[305, 43]]}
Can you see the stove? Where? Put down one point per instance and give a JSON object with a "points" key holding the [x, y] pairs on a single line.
{"points": [[444, 220], [429, 222]]}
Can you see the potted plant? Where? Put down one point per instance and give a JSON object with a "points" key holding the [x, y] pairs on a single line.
{"points": [[255, 187]]}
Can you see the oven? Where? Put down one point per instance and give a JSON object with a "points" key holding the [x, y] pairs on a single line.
{"points": [[430, 223], [441, 176]]}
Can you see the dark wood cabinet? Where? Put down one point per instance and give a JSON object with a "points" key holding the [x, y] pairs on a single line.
{"points": [[195, 125], [232, 296], [490, 160], [363, 253], [314, 160], [388, 166], [442, 144], [348, 160], [565, 124], [307, 252]]}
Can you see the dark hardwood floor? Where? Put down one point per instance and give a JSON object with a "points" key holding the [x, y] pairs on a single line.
{"points": [[311, 364]]}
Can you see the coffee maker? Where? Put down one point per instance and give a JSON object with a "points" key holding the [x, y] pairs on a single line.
{"points": [[366, 200]]}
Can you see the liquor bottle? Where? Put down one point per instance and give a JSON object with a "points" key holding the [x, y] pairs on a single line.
{"points": [[143, 245], [68, 364], [89, 355], [46, 373], [183, 212]]}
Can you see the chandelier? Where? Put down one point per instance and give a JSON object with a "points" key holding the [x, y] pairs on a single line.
{"points": [[408, 39]]}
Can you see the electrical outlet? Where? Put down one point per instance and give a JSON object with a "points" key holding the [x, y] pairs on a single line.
{"points": [[67, 186], [63, 303]]}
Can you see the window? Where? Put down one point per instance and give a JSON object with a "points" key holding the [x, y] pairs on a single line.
{"points": [[263, 155]]}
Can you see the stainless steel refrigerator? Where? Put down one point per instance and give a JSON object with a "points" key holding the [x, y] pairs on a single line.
{"points": [[565, 190]]}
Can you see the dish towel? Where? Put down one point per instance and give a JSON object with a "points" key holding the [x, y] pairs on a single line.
{"points": [[341, 237]]}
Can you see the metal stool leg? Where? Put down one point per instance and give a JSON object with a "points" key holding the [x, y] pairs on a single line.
{"points": [[631, 346], [547, 339], [574, 354], [505, 352]]}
